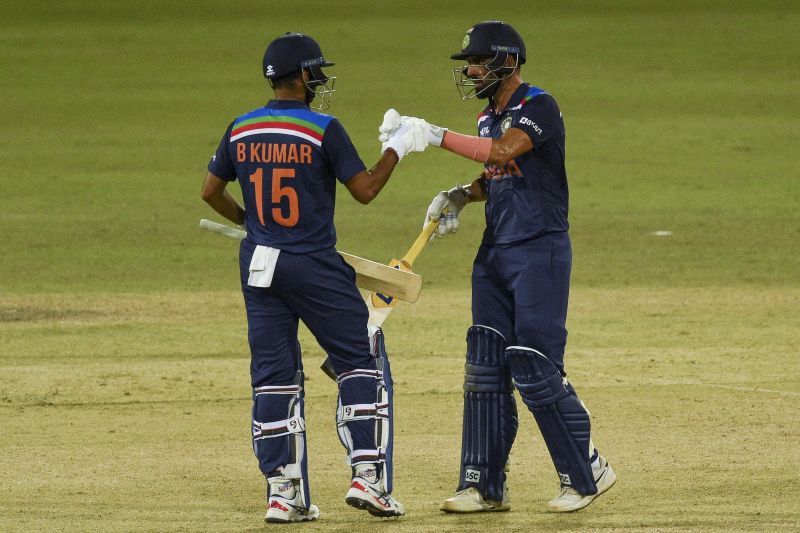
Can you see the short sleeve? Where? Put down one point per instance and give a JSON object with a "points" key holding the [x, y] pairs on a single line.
{"points": [[541, 119], [221, 164], [342, 155]]}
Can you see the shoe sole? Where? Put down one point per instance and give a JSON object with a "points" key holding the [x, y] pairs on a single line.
{"points": [[301, 518], [358, 503], [446, 509], [272, 520], [587, 499]]}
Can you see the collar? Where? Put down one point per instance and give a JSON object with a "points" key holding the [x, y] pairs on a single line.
{"points": [[286, 104], [516, 98]]}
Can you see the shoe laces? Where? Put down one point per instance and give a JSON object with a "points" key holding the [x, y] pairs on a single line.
{"points": [[471, 492], [568, 491]]}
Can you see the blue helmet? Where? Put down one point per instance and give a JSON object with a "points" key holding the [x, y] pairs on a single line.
{"points": [[494, 41], [490, 38], [294, 52]]}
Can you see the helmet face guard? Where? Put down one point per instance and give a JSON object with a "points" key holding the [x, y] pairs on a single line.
{"points": [[319, 87], [486, 86]]}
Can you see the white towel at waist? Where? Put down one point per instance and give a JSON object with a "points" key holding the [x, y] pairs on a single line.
{"points": [[262, 266]]}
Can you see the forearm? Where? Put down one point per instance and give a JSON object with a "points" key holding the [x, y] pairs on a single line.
{"points": [[475, 148], [227, 206], [499, 151], [366, 185], [477, 190], [215, 195]]}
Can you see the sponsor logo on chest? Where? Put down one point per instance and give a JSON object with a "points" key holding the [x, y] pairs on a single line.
{"points": [[532, 124]]}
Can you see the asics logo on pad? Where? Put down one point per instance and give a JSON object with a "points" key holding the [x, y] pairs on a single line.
{"points": [[473, 476]]}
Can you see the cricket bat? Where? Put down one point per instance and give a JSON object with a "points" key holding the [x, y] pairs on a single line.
{"points": [[380, 304], [390, 282]]}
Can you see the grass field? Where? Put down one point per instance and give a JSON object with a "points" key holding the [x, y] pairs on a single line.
{"points": [[124, 388]]}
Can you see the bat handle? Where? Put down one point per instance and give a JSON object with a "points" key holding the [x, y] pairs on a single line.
{"points": [[420, 243]]}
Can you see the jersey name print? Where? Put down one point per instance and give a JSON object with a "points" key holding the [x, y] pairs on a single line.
{"points": [[273, 153]]}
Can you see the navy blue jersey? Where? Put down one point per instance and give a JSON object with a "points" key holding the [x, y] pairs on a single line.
{"points": [[287, 159], [527, 197]]}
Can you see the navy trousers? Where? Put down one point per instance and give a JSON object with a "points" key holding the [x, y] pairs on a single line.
{"points": [[522, 291], [317, 288]]}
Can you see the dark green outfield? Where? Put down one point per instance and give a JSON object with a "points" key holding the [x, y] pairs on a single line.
{"points": [[679, 118]]}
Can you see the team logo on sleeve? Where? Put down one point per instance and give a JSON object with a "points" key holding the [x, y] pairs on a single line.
{"points": [[505, 124]]}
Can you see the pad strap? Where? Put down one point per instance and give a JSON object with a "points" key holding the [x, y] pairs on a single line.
{"points": [[280, 428], [362, 411], [359, 373], [278, 389]]}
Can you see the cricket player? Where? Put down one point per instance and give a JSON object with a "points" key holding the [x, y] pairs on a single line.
{"points": [[287, 159], [520, 279]]}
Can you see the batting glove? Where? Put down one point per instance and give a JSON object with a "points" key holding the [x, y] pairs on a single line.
{"points": [[445, 209], [392, 120], [406, 139]]}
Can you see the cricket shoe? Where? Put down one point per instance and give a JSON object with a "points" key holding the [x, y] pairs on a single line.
{"points": [[470, 500], [284, 503], [571, 500], [373, 498]]}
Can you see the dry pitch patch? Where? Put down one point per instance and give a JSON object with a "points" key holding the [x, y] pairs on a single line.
{"points": [[131, 412]]}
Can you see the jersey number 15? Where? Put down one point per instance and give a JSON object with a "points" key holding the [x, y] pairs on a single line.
{"points": [[279, 191]]}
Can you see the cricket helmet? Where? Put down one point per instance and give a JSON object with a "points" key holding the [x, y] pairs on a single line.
{"points": [[493, 40], [295, 52]]}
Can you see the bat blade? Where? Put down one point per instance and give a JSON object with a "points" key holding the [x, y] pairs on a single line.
{"points": [[394, 284]]}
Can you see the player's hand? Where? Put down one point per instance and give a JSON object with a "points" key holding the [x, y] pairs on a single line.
{"points": [[406, 139], [445, 209], [435, 133], [392, 120]]}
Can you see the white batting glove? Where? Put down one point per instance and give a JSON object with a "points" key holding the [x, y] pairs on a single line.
{"points": [[406, 139], [435, 133], [393, 120], [445, 209]]}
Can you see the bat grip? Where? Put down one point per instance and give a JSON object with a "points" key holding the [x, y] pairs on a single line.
{"points": [[420, 243]]}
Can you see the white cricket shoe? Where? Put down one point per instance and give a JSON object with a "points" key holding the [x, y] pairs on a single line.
{"points": [[571, 500], [284, 503], [470, 500], [373, 498]]}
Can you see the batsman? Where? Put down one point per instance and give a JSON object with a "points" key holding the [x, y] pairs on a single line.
{"points": [[287, 159], [520, 278]]}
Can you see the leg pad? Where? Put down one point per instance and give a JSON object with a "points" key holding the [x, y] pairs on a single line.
{"points": [[490, 414], [561, 416]]}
